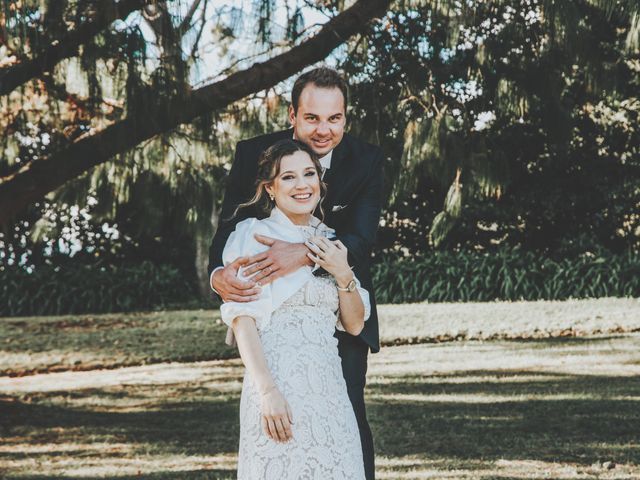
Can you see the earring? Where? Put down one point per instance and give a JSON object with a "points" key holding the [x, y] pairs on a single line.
{"points": [[271, 197]]}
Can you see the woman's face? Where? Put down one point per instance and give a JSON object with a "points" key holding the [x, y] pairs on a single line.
{"points": [[296, 188]]}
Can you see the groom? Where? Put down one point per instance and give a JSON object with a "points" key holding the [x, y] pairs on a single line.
{"points": [[353, 173]]}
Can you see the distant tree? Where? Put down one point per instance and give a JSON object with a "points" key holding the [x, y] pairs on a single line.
{"points": [[478, 106], [519, 116]]}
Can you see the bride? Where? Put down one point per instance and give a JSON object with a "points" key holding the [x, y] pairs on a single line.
{"points": [[296, 420]]}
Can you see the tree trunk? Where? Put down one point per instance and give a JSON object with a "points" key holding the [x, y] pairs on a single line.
{"points": [[39, 177], [203, 240]]}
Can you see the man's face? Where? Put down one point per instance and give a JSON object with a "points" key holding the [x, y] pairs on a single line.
{"points": [[320, 119]]}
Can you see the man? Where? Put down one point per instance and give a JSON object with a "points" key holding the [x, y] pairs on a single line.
{"points": [[353, 173]]}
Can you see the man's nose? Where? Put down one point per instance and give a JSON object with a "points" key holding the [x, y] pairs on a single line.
{"points": [[323, 128]]}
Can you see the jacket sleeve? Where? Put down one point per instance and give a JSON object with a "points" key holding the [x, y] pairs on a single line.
{"points": [[233, 196], [240, 243], [359, 236]]}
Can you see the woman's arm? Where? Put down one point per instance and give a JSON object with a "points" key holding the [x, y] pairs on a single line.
{"points": [[351, 306], [332, 256], [276, 413]]}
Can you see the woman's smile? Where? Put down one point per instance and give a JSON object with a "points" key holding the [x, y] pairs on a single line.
{"points": [[302, 197]]}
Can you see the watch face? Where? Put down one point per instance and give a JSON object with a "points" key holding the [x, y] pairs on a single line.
{"points": [[352, 285]]}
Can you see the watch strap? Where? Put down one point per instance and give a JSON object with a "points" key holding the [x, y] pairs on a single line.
{"points": [[351, 286]]}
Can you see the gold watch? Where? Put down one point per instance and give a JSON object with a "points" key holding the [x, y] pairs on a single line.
{"points": [[351, 286]]}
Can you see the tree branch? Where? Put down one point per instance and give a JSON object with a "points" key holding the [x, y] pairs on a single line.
{"points": [[36, 179], [203, 23], [185, 25], [59, 91], [17, 74]]}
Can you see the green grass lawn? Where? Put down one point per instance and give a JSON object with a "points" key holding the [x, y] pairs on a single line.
{"points": [[85, 342], [473, 410], [560, 408]]}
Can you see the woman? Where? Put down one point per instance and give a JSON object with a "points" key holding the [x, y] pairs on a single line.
{"points": [[296, 421]]}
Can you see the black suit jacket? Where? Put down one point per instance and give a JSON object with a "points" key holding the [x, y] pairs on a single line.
{"points": [[352, 205]]}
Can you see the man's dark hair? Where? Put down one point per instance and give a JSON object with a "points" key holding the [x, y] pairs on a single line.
{"points": [[323, 77]]}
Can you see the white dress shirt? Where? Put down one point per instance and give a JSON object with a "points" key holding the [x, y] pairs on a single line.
{"points": [[325, 161]]}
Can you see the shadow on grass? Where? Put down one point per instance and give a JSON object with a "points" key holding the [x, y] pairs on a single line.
{"points": [[595, 418], [466, 418], [207, 474], [189, 427], [565, 340]]}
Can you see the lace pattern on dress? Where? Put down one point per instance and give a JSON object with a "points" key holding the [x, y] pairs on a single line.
{"points": [[302, 355]]}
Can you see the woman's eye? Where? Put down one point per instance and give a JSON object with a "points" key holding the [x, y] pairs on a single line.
{"points": [[310, 174], [287, 177]]}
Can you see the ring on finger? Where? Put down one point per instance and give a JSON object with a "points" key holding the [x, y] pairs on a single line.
{"points": [[323, 241]]}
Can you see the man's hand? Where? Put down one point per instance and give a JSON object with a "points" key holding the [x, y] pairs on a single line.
{"points": [[281, 259], [230, 287]]}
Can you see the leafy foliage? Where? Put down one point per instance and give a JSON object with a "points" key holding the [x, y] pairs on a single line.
{"points": [[78, 288], [509, 274], [510, 123], [535, 103]]}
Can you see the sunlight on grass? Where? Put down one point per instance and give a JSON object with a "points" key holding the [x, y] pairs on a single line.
{"points": [[507, 377], [111, 460], [414, 468], [474, 399], [215, 374]]}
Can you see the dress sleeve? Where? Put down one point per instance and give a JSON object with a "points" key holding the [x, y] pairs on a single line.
{"points": [[241, 243], [364, 295]]}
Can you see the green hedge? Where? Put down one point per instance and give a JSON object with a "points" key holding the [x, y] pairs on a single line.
{"points": [[438, 277], [92, 289], [504, 275]]}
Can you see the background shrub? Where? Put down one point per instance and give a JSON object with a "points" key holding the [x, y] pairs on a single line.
{"points": [[508, 274], [93, 289]]}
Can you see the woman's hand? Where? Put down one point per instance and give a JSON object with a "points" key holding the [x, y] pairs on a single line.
{"points": [[276, 415], [332, 256]]}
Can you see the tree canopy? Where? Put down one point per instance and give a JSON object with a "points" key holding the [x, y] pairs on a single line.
{"points": [[504, 123], [146, 107]]}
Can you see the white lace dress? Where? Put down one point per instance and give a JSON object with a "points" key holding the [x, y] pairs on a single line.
{"points": [[302, 355]]}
